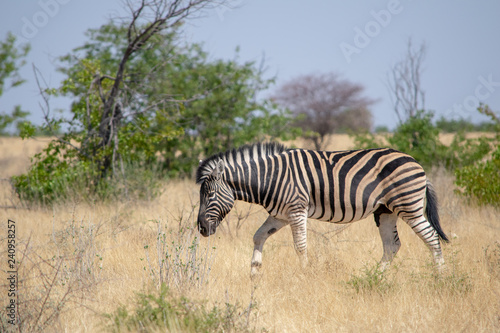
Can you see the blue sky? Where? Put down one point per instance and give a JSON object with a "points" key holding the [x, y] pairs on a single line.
{"points": [[360, 40]]}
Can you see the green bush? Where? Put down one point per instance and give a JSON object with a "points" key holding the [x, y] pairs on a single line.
{"points": [[371, 279], [419, 138], [464, 152], [454, 279], [481, 181], [167, 313], [52, 179]]}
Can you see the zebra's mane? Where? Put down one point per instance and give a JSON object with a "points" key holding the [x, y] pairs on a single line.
{"points": [[207, 166]]}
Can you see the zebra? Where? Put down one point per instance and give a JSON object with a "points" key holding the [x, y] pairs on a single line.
{"points": [[339, 186]]}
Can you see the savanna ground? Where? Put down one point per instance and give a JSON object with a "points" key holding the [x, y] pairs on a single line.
{"points": [[81, 260]]}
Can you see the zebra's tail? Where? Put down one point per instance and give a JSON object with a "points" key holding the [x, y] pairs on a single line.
{"points": [[431, 210]]}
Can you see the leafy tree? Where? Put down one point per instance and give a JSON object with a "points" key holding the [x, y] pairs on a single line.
{"points": [[11, 60], [176, 101], [228, 116], [17, 117], [175, 106]]}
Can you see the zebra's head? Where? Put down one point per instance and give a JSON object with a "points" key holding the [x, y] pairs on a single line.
{"points": [[216, 199]]}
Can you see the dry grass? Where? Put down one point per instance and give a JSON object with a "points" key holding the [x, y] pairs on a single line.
{"points": [[109, 243]]}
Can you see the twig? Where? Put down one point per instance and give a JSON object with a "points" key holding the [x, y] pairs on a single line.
{"points": [[46, 113], [11, 207]]}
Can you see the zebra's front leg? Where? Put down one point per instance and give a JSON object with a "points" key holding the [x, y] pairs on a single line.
{"points": [[298, 225], [270, 226]]}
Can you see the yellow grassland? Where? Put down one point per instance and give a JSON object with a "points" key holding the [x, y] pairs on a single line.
{"points": [[112, 238]]}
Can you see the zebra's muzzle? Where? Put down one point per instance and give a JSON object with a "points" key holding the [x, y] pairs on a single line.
{"points": [[205, 232], [206, 228]]}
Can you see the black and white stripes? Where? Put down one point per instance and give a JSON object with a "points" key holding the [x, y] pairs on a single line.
{"points": [[340, 187]]}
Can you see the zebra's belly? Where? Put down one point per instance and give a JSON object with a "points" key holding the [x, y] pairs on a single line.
{"points": [[338, 213]]}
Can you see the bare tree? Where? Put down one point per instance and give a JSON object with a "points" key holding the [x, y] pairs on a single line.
{"points": [[404, 83], [324, 104]]}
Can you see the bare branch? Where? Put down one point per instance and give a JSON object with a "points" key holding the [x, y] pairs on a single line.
{"points": [[46, 112], [165, 14], [135, 15], [404, 83]]}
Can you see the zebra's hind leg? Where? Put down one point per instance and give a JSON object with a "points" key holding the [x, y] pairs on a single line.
{"points": [[429, 235], [389, 233], [426, 231], [270, 226]]}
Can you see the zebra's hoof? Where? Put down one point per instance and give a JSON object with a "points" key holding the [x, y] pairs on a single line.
{"points": [[255, 271]]}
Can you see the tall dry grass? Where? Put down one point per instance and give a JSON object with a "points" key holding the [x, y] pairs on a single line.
{"points": [[100, 256]]}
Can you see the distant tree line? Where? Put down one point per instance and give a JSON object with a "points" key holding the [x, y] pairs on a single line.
{"points": [[464, 125]]}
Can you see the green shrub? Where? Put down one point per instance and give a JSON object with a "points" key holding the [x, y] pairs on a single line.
{"points": [[453, 279], [481, 181], [463, 152], [178, 259], [367, 140], [52, 179], [371, 279], [165, 312], [419, 138], [49, 177], [382, 129]]}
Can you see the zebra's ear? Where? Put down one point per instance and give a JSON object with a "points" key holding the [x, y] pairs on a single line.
{"points": [[218, 170]]}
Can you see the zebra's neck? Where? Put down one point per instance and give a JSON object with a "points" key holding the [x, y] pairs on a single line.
{"points": [[247, 179]]}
